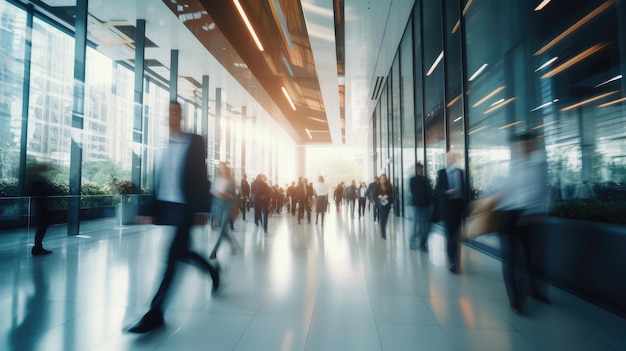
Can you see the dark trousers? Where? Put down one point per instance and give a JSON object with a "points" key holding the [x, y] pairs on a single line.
{"points": [[517, 249], [179, 216], [304, 205], [453, 219], [264, 215], [293, 205], [320, 207], [257, 212], [375, 211], [384, 216], [362, 202], [42, 221]]}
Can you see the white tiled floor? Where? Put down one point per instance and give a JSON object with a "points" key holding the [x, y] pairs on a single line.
{"points": [[302, 287]]}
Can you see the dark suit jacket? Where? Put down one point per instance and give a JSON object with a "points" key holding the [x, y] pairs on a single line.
{"points": [[442, 210], [420, 191], [195, 184]]}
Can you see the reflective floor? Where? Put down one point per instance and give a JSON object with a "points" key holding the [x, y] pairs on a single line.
{"points": [[302, 287]]}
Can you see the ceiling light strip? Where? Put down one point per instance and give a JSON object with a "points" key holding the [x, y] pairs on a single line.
{"points": [[458, 23], [510, 125], [613, 102], [488, 96], [576, 26], [584, 102], [432, 68], [476, 130], [499, 105], [618, 77], [574, 60], [478, 72], [548, 63], [288, 98], [308, 132], [248, 24], [543, 4], [541, 106], [545, 124], [454, 101]]}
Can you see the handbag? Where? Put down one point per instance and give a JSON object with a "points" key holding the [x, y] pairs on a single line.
{"points": [[483, 219]]}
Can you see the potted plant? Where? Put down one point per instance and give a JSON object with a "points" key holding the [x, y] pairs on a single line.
{"points": [[126, 209]]}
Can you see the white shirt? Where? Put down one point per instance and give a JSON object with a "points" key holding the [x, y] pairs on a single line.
{"points": [[526, 188], [321, 189], [171, 170]]}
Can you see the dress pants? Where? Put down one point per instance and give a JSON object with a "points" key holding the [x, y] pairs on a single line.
{"points": [[362, 201], [181, 217], [384, 216], [517, 249], [421, 226], [453, 219]]}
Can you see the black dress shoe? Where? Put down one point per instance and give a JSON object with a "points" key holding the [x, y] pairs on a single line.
{"points": [[453, 269], [541, 298], [214, 271], [39, 251], [150, 321], [517, 308]]}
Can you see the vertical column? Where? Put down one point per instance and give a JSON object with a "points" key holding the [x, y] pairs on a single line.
{"points": [[229, 144], [144, 149], [25, 99], [218, 124], [255, 146], [78, 114], [204, 117], [140, 41], [270, 158], [621, 34], [173, 75], [301, 163], [244, 130]]}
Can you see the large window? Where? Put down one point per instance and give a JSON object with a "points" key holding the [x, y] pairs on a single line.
{"points": [[408, 113], [12, 49], [50, 107], [555, 72], [434, 104]]}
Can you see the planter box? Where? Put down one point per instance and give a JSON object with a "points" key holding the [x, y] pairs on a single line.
{"points": [[585, 258]]}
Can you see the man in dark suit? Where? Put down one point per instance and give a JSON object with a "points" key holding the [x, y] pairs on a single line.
{"points": [[261, 194], [181, 199], [371, 188], [451, 197], [420, 200], [244, 188], [303, 194]]}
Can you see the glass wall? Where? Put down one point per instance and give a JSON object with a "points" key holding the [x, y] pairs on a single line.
{"points": [[395, 173], [487, 70], [407, 134], [12, 50], [36, 98], [434, 103]]}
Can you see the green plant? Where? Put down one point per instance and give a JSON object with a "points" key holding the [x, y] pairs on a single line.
{"points": [[607, 211]]}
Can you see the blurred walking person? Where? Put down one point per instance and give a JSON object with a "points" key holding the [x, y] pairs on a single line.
{"points": [[224, 203], [321, 199], [181, 198], [523, 204], [450, 190], [383, 195], [420, 201], [39, 190]]}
